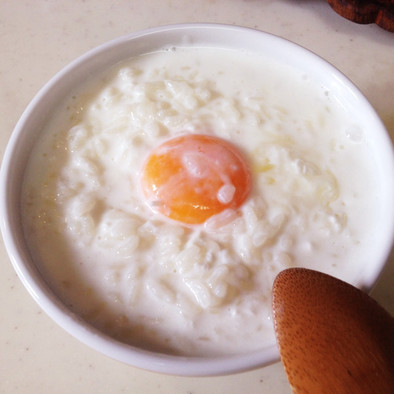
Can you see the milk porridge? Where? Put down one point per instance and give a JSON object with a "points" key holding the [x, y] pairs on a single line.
{"points": [[179, 286]]}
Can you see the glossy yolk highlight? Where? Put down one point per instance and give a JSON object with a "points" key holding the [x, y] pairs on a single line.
{"points": [[193, 177]]}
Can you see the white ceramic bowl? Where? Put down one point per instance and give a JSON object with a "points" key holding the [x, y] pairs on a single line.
{"points": [[40, 108]]}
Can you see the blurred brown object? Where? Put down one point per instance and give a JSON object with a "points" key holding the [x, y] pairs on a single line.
{"points": [[380, 12]]}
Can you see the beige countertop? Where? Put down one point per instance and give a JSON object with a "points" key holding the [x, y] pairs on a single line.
{"points": [[38, 38]]}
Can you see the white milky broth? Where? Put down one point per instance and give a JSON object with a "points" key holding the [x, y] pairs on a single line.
{"points": [[205, 289]]}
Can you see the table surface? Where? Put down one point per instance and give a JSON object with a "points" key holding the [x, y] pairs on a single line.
{"points": [[37, 39]]}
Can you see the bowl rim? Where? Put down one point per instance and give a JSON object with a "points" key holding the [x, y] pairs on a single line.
{"points": [[10, 223]]}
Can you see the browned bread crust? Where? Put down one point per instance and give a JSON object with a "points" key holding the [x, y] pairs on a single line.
{"points": [[380, 12]]}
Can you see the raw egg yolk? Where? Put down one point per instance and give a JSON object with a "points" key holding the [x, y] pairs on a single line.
{"points": [[193, 177]]}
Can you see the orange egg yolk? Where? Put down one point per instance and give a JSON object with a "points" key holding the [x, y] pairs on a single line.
{"points": [[193, 177]]}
